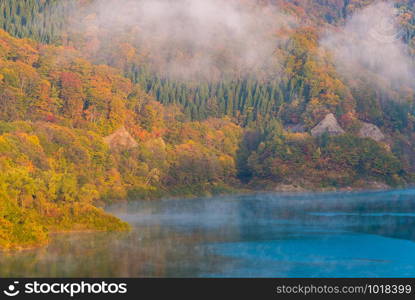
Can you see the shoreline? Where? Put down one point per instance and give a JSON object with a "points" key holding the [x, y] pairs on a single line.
{"points": [[51, 234], [283, 189]]}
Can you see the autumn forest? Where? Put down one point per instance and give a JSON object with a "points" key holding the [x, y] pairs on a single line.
{"points": [[104, 101]]}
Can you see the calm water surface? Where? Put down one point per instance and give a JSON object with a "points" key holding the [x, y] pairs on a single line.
{"points": [[362, 234]]}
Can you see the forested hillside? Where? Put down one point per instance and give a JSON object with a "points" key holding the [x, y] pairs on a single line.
{"points": [[97, 107]]}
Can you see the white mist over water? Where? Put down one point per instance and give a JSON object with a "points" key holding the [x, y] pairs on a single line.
{"points": [[359, 234]]}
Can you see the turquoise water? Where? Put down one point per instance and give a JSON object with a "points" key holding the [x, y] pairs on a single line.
{"points": [[359, 234]]}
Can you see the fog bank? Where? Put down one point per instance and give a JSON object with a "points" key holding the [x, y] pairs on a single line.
{"points": [[189, 39], [370, 46]]}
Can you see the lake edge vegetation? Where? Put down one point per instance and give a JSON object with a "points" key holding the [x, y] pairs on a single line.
{"points": [[85, 123]]}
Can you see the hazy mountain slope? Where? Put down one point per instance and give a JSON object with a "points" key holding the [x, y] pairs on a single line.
{"points": [[97, 107]]}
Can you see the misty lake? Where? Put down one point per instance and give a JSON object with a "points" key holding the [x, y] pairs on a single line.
{"points": [[358, 234]]}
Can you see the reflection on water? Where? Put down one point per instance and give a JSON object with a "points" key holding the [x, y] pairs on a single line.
{"points": [[365, 234]]}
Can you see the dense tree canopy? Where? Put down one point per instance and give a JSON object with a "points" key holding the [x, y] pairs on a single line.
{"points": [[63, 93]]}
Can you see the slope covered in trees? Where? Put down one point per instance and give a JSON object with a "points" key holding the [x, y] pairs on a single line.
{"points": [[42, 20], [244, 99], [70, 97], [55, 110]]}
